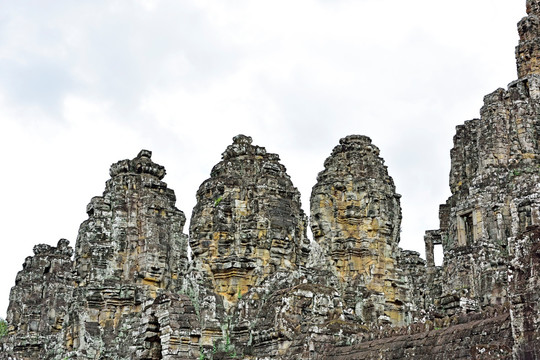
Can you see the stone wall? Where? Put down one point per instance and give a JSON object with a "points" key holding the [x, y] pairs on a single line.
{"points": [[493, 177], [495, 169], [486, 339]]}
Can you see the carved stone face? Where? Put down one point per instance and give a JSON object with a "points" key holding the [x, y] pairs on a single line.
{"points": [[322, 209], [354, 214], [354, 210], [247, 222], [345, 214], [152, 267]]}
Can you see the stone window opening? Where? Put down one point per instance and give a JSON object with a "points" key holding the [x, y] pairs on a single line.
{"points": [[438, 254], [465, 229]]}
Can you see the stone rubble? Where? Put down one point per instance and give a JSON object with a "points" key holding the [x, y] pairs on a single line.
{"points": [[256, 287]]}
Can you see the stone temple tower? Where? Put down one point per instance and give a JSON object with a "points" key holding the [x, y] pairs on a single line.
{"points": [[248, 222], [258, 289], [493, 180], [355, 217], [528, 50], [130, 250]]}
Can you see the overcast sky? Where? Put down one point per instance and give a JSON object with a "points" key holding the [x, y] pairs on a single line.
{"points": [[84, 84]]}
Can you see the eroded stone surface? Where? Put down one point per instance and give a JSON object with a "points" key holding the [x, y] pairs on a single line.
{"points": [[524, 294], [495, 163]]}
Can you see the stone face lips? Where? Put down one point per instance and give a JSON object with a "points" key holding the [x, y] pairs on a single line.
{"points": [[248, 222], [355, 218]]}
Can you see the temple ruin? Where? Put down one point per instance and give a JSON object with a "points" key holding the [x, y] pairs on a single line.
{"points": [[246, 281]]}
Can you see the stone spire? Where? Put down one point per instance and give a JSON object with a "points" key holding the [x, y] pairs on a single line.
{"points": [[533, 7], [528, 50]]}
